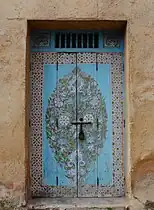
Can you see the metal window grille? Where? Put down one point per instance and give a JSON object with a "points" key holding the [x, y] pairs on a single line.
{"points": [[76, 40]]}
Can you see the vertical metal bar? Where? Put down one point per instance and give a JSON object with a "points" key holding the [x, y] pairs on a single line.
{"points": [[70, 40], [93, 41], [77, 146], [76, 40], [100, 40], [81, 40], [87, 40], [65, 34], [60, 40]]}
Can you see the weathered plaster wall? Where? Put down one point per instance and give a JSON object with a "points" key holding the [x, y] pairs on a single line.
{"points": [[139, 79]]}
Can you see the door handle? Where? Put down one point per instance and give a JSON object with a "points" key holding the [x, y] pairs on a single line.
{"points": [[81, 123]]}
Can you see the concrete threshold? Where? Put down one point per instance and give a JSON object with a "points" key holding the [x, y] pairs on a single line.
{"points": [[78, 203]]}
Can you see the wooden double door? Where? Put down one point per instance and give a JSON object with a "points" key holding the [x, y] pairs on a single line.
{"points": [[77, 124]]}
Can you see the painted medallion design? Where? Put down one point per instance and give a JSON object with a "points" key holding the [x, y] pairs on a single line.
{"points": [[76, 96]]}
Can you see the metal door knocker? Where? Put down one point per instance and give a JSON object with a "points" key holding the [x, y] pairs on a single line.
{"points": [[81, 133]]}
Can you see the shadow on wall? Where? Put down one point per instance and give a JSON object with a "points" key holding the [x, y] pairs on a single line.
{"points": [[143, 181]]}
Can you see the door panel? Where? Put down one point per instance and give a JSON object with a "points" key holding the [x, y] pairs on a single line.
{"points": [[95, 105], [77, 86], [59, 108], [105, 156], [87, 164]]}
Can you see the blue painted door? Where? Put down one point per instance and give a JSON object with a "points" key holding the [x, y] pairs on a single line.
{"points": [[75, 94], [77, 118], [81, 115]]}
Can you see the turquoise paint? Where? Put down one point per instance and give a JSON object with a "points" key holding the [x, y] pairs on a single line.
{"points": [[50, 167], [105, 159], [91, 178], [102, 167]]}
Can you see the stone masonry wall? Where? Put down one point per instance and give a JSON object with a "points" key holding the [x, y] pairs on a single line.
{"points": [[139, 83]]}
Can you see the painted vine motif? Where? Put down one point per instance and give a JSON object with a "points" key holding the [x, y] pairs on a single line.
{"points": [[62, 135]]}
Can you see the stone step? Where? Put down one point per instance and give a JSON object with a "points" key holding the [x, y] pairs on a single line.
{"points": [[78, 204], [80, 208]]}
